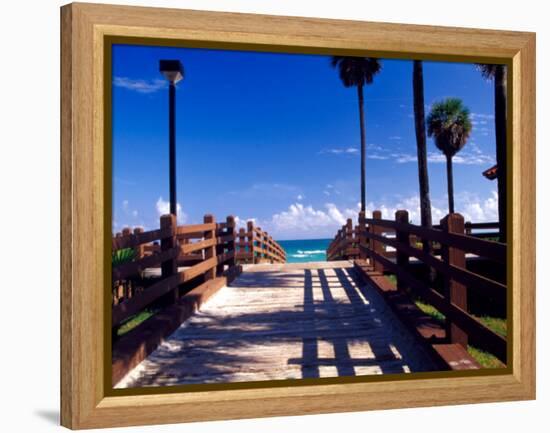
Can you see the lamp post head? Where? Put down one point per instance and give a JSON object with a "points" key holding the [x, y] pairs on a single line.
{"points": [[172, 70]]}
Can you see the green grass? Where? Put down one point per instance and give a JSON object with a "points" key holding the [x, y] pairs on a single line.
{"points": [[429, 310], [392, 278], [485, 359], [495, 324], [134, 321]]}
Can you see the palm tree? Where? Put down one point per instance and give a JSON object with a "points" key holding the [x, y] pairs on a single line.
{"points": [[497, 73], [358, 71], [449, 124], [420, 129]]}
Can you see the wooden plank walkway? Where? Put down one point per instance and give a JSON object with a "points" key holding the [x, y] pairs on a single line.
{"points": [[288, 321]]}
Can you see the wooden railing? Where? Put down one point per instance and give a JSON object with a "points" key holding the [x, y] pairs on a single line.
{"points": [[345, 245], [254, 245], [449, 247], [159, 262], [203, 250]]}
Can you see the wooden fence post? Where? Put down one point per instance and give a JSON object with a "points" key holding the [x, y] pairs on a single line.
{"points": [[266, 247], [251, 236], [402, 259], [362, 235], [126, 290], [377, 246], [349, 239], [169, 267], [140, 248], [270, 250], [210, 252], [231, 244], [242, 251], [339, 246], [455, 293], [219, 248], [261, 245]]}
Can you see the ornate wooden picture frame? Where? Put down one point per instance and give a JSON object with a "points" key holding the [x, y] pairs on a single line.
{"points": [[87, 32]]}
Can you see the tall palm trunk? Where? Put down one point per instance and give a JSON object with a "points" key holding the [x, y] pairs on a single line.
{"points": [[450, 189], [500, 138], [421, 152], [422, 157], [363, 147]]}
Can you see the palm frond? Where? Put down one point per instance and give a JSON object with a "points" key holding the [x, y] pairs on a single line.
{"points": [[487, 70], [356, 71], [449, 124]]}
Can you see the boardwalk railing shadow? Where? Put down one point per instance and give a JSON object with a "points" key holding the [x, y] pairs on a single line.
{"points": [[339, 329]]}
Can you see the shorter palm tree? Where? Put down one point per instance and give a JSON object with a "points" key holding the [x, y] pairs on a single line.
{"points": [[449, 124]]}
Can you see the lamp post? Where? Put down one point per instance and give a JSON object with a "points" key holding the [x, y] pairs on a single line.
{"points": [[173, 72]]}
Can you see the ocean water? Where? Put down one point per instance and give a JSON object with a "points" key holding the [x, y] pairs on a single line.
{"points": [[305, 250]]}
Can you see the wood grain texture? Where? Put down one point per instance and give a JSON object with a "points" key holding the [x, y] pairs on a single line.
{"points": [[277, 322], [86, 400]]}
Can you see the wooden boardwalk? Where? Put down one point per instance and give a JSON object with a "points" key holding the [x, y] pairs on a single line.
{"points": [[285, 321]]}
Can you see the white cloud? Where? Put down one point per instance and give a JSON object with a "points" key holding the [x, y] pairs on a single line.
{"points": [[139, 85], [163, 208], [125, 216], [128, 212], [403, 157], [411, 203], [299, 221], [395, 137], [373, 146], [475, 209], [376, 156], [306, 221], [341, 151], [474, 157], [299, 197], [241, 223], [472, 207], [482, 116]]}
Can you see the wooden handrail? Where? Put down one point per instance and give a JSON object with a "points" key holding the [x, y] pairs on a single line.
{"points": [[492, 250], [205, 251], [195, 228], [255, 245], [453, 240], [133, 240], [212, 254], [344, 245]]}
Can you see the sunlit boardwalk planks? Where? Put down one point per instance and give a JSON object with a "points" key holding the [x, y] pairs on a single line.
{"points": [[284, 322]]}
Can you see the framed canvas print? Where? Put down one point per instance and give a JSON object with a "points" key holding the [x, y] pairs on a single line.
{"points": [[269, 216]]}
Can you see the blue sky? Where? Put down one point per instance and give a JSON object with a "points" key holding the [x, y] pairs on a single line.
{"points": [[275, 138]]}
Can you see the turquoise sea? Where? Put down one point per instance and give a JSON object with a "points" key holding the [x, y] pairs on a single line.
{"points": [[305, 250]]}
